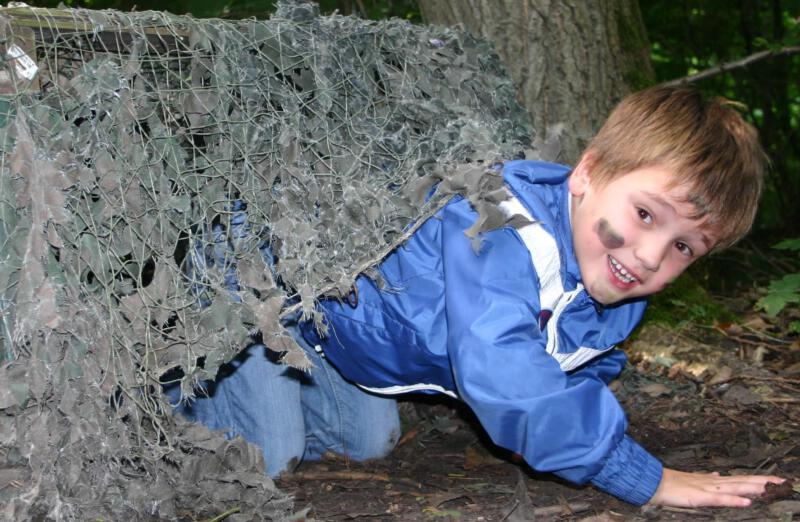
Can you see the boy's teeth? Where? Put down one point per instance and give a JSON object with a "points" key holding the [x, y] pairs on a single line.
{"points": [[620, 272]]}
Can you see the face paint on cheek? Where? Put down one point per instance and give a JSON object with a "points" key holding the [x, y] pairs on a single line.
{"points": [[607, 235]]}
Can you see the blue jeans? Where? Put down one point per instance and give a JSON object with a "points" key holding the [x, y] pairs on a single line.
{"points": [[293, 415]]}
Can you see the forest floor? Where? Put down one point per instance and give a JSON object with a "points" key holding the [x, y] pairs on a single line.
{"points": [[722, 398]]}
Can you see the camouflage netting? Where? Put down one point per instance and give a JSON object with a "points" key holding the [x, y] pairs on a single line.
{"points": [[136, 149]]}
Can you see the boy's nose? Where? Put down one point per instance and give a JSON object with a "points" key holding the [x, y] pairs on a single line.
{"points": [[650, 254]]}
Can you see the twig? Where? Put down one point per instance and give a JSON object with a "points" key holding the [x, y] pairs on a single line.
{"points": [[339, 475], [742, 340], [573, 507], [766, 336], [682, 510], [774, 378], [729, 66], [223, 516], [775, 262], [757, 333], [546, 511], [410, 434], [782, 400], [357, 475]]}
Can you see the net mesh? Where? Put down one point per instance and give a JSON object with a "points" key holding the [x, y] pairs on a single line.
{"points": [[146, 162]]}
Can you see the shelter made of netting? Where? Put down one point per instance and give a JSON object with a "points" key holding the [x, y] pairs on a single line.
{"points": [[136, 148]]}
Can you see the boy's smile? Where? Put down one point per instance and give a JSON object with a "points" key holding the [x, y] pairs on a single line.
{"points": [[633, 234]]}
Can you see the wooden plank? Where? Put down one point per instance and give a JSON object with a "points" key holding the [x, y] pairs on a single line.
{"points": [[70, 20], [29, 33]]}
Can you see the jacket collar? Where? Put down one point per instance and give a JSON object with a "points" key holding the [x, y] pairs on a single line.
{"points": [[542, 189]]}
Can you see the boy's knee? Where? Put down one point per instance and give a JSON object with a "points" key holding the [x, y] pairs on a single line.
{"points": [[283, 456], [378, 439], [386, 444]]}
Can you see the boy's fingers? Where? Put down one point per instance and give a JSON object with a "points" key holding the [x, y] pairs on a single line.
{"points": [[738, 487], [756, 480], [717, 499], [753, 478], [683, 489], [722, 500], [710, 499]]}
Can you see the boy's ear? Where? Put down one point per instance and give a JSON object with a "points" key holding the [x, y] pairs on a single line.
{"points": [[580, 177]]}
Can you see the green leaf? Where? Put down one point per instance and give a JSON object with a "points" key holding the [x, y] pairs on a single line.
{"points": [[787, 284], [794, 326], [780, 293], [772, 304], [788, 244]]}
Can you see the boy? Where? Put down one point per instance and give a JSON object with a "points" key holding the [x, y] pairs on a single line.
{"points": [[524, 330]]}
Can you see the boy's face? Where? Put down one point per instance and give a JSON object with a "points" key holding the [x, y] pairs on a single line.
{"points": [[633, 234]]}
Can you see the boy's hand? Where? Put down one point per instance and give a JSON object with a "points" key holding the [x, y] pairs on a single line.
{"points": [[680, 489]]}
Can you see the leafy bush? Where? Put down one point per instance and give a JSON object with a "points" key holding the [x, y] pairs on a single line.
{"points": [[785, 291]]}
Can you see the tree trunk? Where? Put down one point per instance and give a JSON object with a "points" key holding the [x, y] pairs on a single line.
{"points": [[572, 60]]}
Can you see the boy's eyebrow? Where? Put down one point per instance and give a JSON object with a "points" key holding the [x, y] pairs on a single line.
{"points": [[706, 241], [661, 200]]}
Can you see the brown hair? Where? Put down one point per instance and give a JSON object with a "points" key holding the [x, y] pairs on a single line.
{"points": [[705, 142]]}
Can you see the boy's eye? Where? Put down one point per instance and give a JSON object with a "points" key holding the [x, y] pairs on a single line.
{"points": [[644, 215], [684, 249]]}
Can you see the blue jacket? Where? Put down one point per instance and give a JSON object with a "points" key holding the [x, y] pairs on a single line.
{"points": [[510, 330]]}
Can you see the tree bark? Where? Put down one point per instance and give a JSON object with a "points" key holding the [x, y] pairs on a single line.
{"points": [[572, 60]]}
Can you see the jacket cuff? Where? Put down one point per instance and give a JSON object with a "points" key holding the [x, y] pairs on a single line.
{"points": [[630, 473]]}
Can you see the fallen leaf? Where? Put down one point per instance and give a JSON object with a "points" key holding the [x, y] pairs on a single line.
{"points": [[602, 517], [729, 328], [759, 353], [440, 513], [739, 394], [764, 391], [677, 414], [721, 375], [777, 436], [785, 506], [793, 369], [444, 424], [757, 323], [656, 389], [476, 458], [669, 425], [521, 507]]}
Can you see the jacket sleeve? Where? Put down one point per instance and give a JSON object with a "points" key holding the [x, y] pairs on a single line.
{"points": [[605, 368], [571, 425]]}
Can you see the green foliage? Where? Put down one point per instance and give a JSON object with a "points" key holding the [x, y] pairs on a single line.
{"points": [[784, 291], [694, 35], [780, 293], [788, 244], [686, 301]]}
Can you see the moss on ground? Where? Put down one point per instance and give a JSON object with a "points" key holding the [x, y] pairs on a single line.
{"points": [[686, 301]]}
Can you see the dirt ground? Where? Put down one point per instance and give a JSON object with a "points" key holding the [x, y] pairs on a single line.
{"points": [[718, 399]]}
